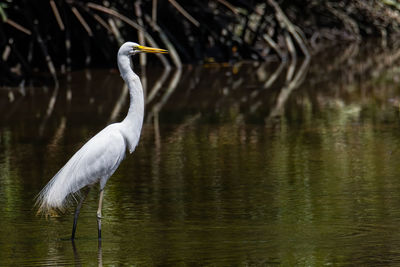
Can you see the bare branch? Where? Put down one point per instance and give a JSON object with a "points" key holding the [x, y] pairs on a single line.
{"points": [[229, 6], [18, 27], [57, 15], [184, 13], [82, 21]]}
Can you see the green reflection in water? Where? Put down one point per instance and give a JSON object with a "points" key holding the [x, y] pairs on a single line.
{"points": [[216, 180]]}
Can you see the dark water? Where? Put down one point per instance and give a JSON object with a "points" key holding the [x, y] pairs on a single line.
{"points": [[244, 165]]}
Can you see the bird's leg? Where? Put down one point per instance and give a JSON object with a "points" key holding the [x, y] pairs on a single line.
{"points": [[78, 209], [99, 212]]}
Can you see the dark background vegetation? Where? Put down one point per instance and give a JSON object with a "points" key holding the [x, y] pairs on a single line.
{"points": [[60, 35]]}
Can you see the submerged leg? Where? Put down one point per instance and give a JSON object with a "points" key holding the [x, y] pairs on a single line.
{"points": [[99, 254], [78, 209], [99, 213]]}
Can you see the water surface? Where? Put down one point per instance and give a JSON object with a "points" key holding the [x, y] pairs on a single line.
{"points": [[244, 164]]}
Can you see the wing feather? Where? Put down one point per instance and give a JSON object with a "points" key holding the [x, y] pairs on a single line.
{"points": [[95, 162]]}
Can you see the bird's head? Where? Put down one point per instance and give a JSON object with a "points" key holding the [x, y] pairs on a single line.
{"points": [[131, 48]]}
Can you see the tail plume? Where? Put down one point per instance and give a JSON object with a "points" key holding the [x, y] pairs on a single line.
{"points": [[61, 191], [54, 199]]}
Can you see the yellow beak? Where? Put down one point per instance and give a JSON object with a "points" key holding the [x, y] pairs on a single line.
{"points": [[146, 49]]}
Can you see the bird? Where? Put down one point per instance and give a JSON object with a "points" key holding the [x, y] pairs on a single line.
{"points": [[97, 160]]}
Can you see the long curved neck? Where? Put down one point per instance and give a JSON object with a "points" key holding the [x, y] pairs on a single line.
{"points": [[134, 119]]}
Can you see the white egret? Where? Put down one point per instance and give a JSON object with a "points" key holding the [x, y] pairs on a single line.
{"points": [[98, 159]]}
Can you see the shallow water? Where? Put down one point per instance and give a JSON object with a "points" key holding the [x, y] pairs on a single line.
{"points": [[234, 167]]}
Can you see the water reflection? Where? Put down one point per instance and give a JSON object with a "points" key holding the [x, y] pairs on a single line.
{"points": [[77, 258], [250, 164]]}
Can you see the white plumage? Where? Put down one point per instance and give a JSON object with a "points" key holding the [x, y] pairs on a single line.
{"points": [[95, 162], [98, 159]]}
